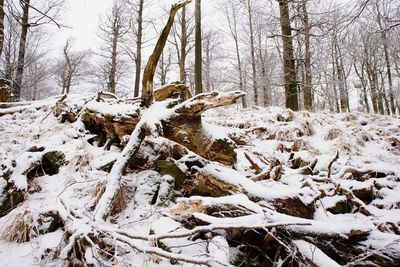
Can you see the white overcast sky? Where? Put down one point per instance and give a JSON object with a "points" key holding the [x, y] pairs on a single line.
{"points": [[83, 17]]}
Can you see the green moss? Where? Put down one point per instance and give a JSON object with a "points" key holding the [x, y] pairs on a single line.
{"points": [[341, 207], [109, 116], [52, 161], [241, 260]]}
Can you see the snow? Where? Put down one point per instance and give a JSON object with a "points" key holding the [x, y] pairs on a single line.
{"points": [[315, 254], [75, 188]]}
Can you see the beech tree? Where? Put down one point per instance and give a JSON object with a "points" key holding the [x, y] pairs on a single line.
{"points": [[198, 65], [112, 30], [72, 67], [288, 59]]}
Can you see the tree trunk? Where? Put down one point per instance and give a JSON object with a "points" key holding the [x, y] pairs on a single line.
{"points": [[198, 56], [1, 26], [292, 101], [308, 90], [148, 74], [252, 51], [182, 59], [22, 49], [113, 71], [138, 61]]}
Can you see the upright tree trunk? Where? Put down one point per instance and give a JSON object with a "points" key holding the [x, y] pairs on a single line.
{"points": [[22, 49], [344, 105], [182, 59], [252, 51], [198, 57], [113, 71], [292, 101], [138, 61], [1, 26], [389, 74], [308, 94], [262, 58]]}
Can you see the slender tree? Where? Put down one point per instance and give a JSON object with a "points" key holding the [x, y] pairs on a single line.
{"points": [[288, 59], [1, 26], [139, 43], [198, 47]]}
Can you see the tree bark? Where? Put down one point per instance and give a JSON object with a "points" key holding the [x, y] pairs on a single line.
{"points": [[1, 26], [198, 54], [308, 90], [252, 51], [113, 71], [138, 61], [148, 74], [22, 49], [292, 101], [182, 59]]}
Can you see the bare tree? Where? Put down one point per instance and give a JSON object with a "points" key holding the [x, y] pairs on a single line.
{"points": [[232, 12], [112, 29], [288, 59], [249, 6], [1, 25], [138, 9], [72, 67], [39, 16], [198, 48]]}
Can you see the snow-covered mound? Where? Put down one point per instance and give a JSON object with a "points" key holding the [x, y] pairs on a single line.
{"points": [[325, 177]]}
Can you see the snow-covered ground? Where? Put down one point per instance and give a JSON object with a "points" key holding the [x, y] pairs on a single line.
{"points": [[364, 142]]}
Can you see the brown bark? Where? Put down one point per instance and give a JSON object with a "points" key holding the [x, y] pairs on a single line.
{"points": [[252, 51], [288, 59], [149, 71], [198, 54], [22, 49], [182, 59], [308, 90], [139, 37], [1, 25]]}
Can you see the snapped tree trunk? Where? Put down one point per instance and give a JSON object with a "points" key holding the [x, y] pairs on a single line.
{"points": [[292, 101], [149, 71]]}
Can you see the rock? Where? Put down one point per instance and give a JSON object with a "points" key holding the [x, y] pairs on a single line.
{"points": [[166, 167], [52, 161], [11, 199], [341, 207]]}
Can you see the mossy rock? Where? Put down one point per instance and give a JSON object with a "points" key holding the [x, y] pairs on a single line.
{"points": [[12, 199], [166, 191], [341, 207], [299, 163], [169, 168], [49, 222], [52, 161]]}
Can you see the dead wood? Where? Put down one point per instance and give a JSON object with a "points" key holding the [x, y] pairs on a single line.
{"points": [[331, 163], [148, 74], [195, 106], [254, 165], [173, 90]]}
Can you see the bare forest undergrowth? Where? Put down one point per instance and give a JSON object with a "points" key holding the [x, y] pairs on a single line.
{"points": [[117, 183]]}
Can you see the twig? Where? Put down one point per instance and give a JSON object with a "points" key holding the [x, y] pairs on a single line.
{"points": [[331, 163]]}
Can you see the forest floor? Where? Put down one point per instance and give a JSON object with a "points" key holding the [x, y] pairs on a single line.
{"points": [[280, 155]]}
